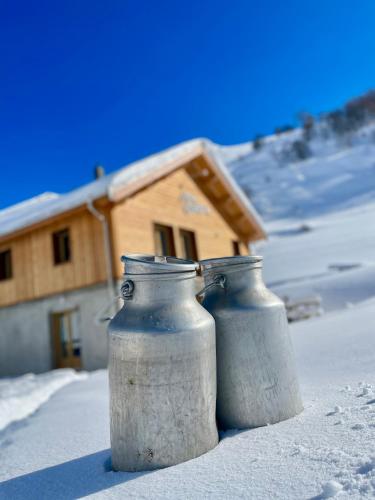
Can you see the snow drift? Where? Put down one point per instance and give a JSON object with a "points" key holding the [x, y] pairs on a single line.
{"points": [[22, 396]]}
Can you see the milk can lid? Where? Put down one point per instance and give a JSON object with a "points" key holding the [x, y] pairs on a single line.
{"points": [[155, 264], [238, 260]]}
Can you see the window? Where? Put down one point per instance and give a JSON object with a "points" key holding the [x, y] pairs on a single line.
{"points": [[61, 246], [66, 339], [236, 248], [164, 241], [188, 245], [5, 265]]}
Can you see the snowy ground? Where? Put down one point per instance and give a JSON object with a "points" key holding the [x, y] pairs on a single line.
{"points": [[21, 396], [320, 216], [334, 259], [62, 451]]}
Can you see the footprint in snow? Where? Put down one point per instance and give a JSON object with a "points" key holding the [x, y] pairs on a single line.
{"points": [[358, 427]]}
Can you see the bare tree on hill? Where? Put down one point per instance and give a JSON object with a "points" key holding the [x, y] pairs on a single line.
{"points": [[258, 142]]}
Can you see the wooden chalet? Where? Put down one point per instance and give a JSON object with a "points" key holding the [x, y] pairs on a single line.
{"points": [[60, 254]]}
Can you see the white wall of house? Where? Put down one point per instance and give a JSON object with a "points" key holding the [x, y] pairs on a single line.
{"points": [[26, 336]]}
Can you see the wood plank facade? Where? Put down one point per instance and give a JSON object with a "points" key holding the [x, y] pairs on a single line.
{"points": [[191, 201], [177, 202], [34, 273]]}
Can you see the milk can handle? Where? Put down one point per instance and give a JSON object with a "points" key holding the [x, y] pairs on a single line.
{"points": [[127, 289], [219, 280]]}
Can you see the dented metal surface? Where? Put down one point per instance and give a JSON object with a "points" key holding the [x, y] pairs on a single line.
{"points": [[257, 379], [162, 368]]}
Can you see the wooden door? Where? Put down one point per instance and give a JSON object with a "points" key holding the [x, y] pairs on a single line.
{"points": [[66, 339]]}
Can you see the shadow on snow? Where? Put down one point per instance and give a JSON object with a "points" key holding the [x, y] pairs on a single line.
{"points": [[74, 479]]}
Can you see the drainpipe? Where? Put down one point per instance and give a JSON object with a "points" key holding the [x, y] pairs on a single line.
{"points": [[107, 248]]}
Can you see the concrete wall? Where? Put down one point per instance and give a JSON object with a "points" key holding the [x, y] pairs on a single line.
{"points": [[25, 331]]}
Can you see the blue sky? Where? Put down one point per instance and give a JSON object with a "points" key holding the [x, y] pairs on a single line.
{"points": [[86, 82]]}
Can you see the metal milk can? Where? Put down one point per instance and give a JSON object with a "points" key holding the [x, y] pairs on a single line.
{"points": [[257, 380], [162, 367]]}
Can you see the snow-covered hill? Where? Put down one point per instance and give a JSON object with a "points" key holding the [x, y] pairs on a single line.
{"points": [[340, 173], [319, 212]]}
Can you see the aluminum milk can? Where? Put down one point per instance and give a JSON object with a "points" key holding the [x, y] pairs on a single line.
{"points": [[257, 380], [162, 367]]}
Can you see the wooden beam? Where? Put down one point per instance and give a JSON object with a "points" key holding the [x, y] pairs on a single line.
{"points": [[197, 171], [155, 175], [254, 230], [215, 186]]}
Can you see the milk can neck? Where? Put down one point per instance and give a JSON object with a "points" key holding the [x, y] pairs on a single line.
{"points": [[237, 272], [161, 289], [153, 278], [248, 277]]}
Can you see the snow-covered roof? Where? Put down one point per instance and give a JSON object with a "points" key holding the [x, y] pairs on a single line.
{"points": [[47, 205]]}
